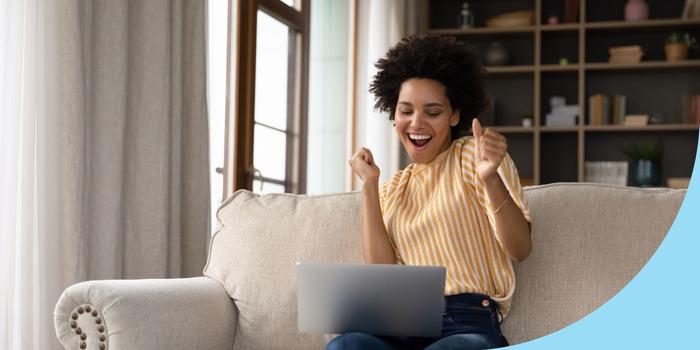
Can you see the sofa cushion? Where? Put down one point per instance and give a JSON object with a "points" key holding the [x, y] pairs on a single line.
{"points": [[254, 253], [589, 241]]}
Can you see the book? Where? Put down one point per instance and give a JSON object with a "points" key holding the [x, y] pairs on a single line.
{"points": [[618, 109], [637, 120], [625, 54], [622, 50], [605, 110], [694, 113], [626, 58], [593, 102]]}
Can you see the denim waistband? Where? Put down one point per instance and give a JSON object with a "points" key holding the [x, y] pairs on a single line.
{"points": [[474, 298], [477, 300]]}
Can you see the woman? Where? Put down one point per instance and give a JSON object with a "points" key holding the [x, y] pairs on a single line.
{"points": [[459, 205]]}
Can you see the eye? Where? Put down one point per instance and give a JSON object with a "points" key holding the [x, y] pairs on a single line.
{"points": [[434, 113], [405, 112]]}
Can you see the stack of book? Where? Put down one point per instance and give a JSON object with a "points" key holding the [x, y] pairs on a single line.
{"points": [[678, 182], [626, 54], [607, 109]]}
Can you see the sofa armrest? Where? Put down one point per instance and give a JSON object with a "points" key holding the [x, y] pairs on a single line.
{"points": [[182, 313]]}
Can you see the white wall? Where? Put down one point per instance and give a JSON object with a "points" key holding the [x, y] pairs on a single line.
{"points": [[329, 62]]}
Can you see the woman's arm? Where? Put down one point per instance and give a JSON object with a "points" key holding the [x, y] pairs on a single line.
{"points": [[512, 230], [376, 248]]}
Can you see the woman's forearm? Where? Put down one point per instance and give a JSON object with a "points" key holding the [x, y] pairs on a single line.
{"points": [[376, 248], [512, 229]]}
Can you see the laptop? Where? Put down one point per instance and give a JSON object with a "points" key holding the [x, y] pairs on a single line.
{"points": [[389, 300]]}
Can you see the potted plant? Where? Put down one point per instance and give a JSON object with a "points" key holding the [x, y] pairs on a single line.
{"points": [[676, 46], [645, 163]]}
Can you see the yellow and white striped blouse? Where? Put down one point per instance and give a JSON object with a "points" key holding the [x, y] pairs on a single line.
{"points": [[439, 214]]}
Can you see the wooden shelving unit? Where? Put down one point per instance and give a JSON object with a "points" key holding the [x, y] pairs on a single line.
{"points": [[547, 154]]}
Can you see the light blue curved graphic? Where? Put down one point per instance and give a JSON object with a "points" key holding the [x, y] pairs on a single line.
{"points": [[660, 307]]}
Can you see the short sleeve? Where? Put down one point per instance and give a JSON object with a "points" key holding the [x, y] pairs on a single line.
{"points": [[382, 194]]}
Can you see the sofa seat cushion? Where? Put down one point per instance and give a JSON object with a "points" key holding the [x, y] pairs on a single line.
{"points": [[254, 252]]}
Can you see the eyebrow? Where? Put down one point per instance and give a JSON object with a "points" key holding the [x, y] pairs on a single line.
{"points": [[432, 104]]}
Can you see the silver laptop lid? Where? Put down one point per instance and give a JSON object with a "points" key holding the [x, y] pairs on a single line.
{"points": [[396, 300]]}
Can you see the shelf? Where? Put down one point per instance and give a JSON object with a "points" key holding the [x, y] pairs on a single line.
{"points": [[559, 129], [509, 69], [513, 129], [643, 65], [572, 67], [482, 30], [651, 23], [653, 127], [566, 27]]}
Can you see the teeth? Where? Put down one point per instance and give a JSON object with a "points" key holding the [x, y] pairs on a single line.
{"points": [[419, 137]]}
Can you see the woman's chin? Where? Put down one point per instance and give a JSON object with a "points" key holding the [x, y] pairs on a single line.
{"points": [[420, 156]]}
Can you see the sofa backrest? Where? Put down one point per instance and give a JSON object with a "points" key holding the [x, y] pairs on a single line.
{"points": [[589, 241]]}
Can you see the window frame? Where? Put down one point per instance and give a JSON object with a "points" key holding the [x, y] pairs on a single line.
{"points": [[240, 106]]}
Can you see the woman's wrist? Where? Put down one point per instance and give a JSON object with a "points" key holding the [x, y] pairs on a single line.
{"points": [[370, 183], [491, 181]]}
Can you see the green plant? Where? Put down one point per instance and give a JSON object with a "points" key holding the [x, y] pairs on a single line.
{"points": [[645, 151], [676, 36], [681, 37]]}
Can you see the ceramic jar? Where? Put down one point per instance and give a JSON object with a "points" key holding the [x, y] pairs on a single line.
{"points": [[636, 10]]}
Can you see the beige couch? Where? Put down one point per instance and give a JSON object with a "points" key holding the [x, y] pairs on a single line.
{"points": [[589, 241]]}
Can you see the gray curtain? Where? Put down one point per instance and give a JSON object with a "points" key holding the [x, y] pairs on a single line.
{"points": [[133, 145]]}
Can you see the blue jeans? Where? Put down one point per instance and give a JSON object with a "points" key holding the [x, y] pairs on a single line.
{"points": [[469, 322]]}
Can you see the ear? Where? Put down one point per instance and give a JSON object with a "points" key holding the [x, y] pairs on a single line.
{"points": [[454, 119]]}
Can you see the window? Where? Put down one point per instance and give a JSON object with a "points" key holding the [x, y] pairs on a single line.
{"points": [[267, 111]]}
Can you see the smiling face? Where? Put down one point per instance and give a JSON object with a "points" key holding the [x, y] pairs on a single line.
{"points": [[424, 118]]}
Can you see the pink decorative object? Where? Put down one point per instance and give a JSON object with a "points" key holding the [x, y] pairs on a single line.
{"points": [[553, 20], [636, 10]]}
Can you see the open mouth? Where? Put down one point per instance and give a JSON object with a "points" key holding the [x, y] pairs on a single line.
{"points": [[419, 140]]}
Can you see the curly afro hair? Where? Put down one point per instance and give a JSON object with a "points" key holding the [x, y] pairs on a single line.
{"points": [[455, 65]]}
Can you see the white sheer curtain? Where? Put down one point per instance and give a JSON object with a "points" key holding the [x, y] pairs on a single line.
{"points": [[103, 151], [30, 265], [381, 24]]}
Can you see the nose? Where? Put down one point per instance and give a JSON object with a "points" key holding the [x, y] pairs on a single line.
{"points": [[417, 120]]}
